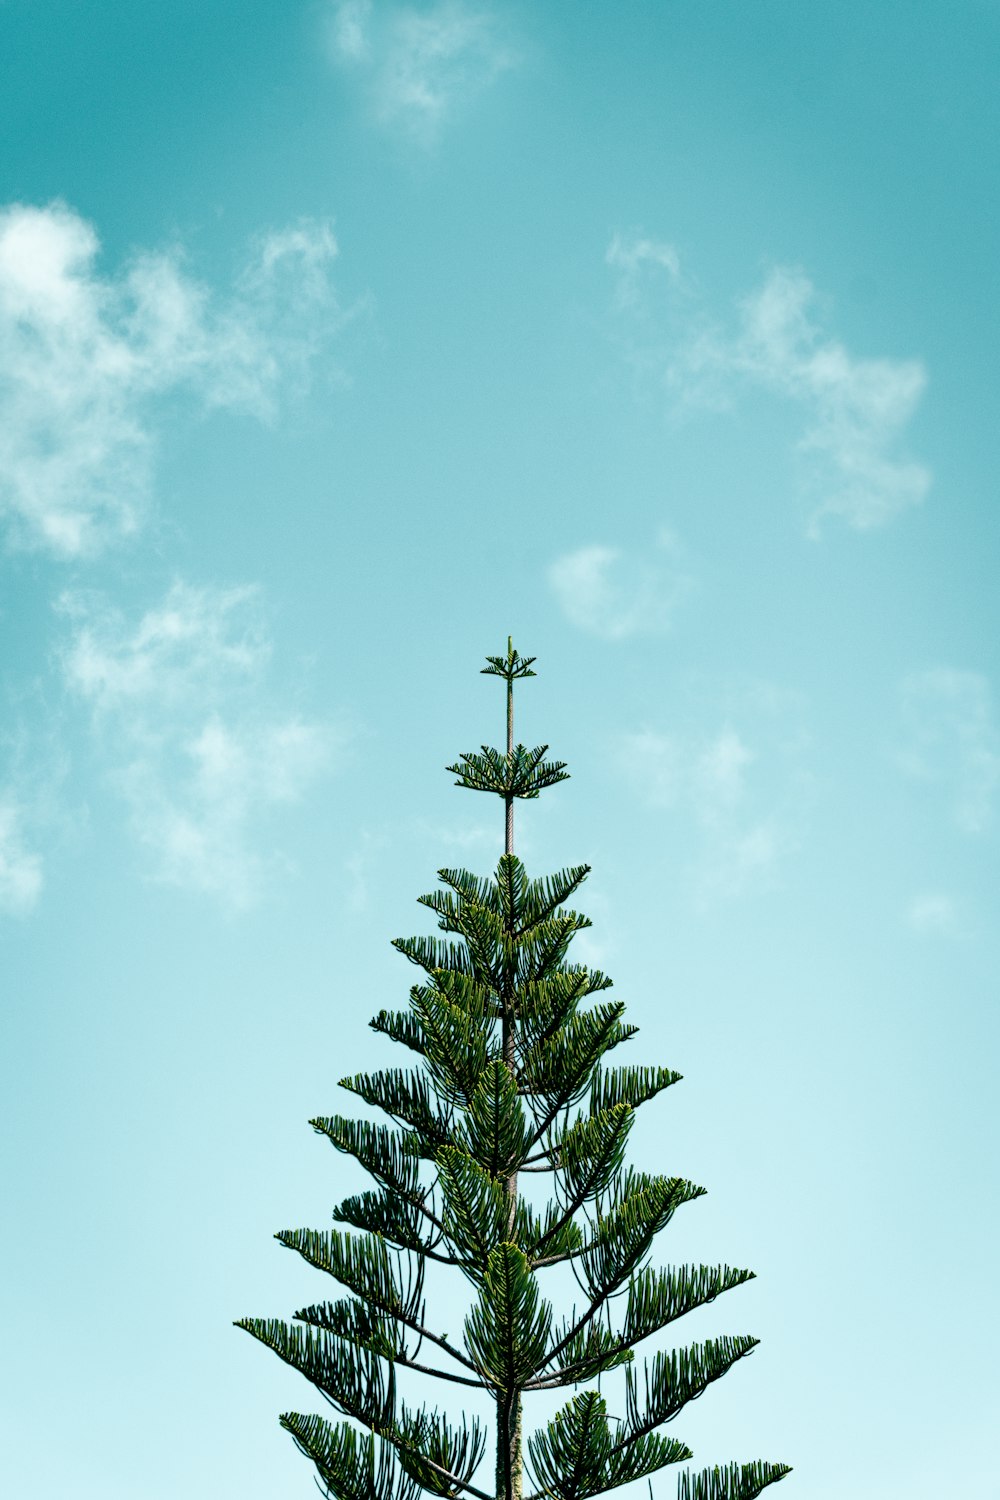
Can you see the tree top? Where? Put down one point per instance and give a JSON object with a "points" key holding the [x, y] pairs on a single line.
{"points": [[510, 666]]}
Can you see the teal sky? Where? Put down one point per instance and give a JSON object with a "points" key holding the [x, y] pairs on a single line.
{"points": [[338, 341]]}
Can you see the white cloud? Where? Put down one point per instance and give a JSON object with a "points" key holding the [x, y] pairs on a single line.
{"points": [[933, 913], [631, 255], [350, 28], [20, 868], [35, 817], [84, 356], [611, 594], [857, 409], [952, 737], [719, 778], [198, 824], [188, 648], [420, 65], [199, 750], [361, 865], [741, 827], [656, 764]]}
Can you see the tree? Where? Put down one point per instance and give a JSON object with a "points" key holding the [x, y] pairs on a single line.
{"points": [[511, 1082]]}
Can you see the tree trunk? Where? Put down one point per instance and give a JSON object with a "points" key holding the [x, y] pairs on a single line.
{"points": [[510, 1481]]}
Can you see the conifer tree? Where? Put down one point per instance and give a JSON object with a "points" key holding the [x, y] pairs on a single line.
{"points": [[511, 1081]]}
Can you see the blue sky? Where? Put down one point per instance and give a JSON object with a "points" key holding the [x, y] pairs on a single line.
{"points": [[338, 341]]}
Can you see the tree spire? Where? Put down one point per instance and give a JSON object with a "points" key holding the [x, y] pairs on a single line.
{"points": [[519, 772], [512, 667]]}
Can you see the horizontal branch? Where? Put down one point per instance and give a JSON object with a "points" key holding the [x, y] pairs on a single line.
{"points": [[412, 1364]]}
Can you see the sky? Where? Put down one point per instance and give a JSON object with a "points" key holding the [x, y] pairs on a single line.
{"points": [[338, 341]]}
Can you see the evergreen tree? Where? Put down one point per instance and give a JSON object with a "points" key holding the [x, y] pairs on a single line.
{"points": [[512, 1079]]}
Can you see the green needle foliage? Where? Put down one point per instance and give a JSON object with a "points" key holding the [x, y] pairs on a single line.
{"points": [[510, 1077]]}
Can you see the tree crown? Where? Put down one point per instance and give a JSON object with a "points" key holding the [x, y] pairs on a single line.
{"points": [[510, 1081]]}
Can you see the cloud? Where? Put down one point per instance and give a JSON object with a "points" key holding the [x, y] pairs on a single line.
{"points": [[350, 24], [933, 913], [20, 868], [199, 750], [85, 357], [197, 824], [707, 774], [743, 818], [856, 409], [187, 649], [613, 595], [951, 737], [361, 865], [633, 254], [34, 813], [420, 66]]}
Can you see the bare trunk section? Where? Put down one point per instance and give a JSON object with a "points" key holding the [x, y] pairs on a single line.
{"points": [[509, 843], [510, 1479]]}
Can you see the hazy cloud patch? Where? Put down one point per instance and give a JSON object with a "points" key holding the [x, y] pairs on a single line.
{"points": [[615, 594], [852, 455], [735, 794], [362, 864], [85, 355], [198, 818], [349, 28], [197, 743], [186, 649], [420, 66], [633, 256], [35, 816], [934, 913], [21, 876], [952, 738], [857, 409]]}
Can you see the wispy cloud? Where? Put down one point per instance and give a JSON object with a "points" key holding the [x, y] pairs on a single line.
{"points": [[739, 844], [197, 745], [934, 913], [20, 867], [614, 594], [349, 28], [420, 66], [34, 814], [186, 650], [633, 256], [199, 820], [740, 792], [362, 864], [856, 409], [952, 737], [85, 356]]}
